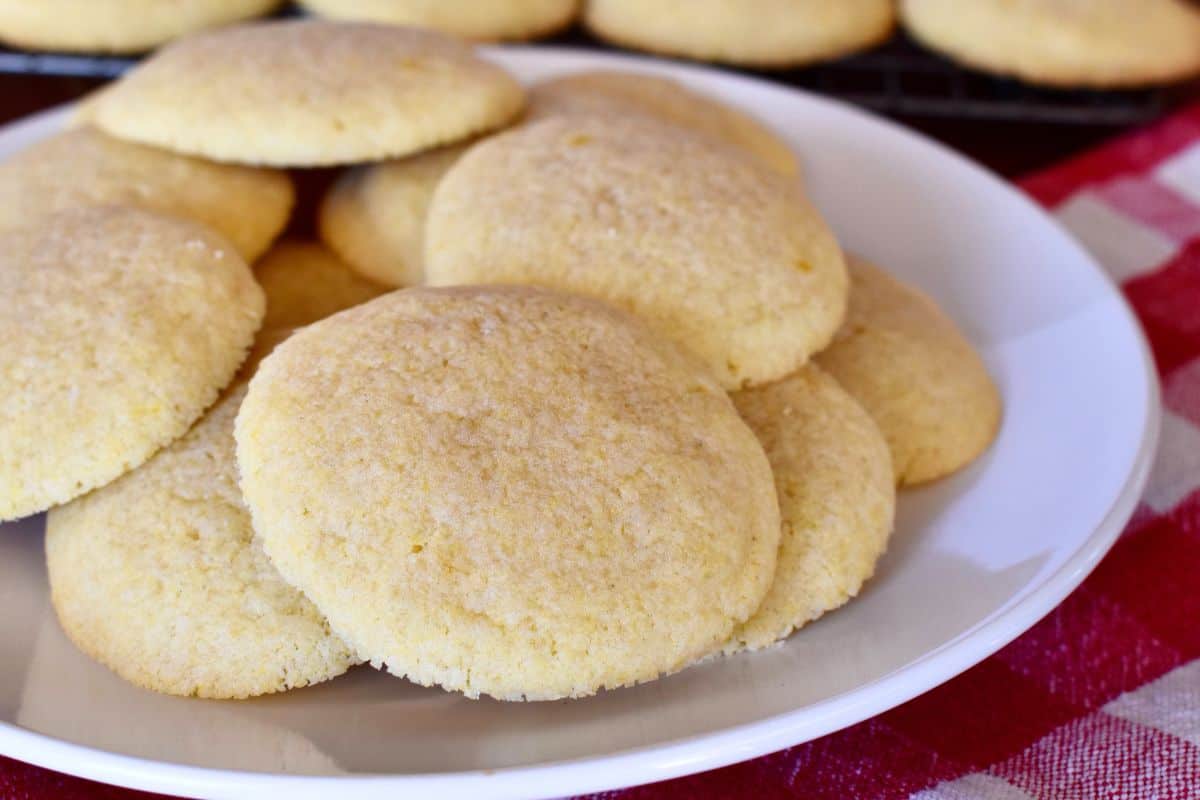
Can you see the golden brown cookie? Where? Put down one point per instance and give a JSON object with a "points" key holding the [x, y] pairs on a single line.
{"points": [[482, 20], [304, 282]]}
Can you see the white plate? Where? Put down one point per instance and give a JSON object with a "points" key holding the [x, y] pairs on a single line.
{"points": [[976, 559]]}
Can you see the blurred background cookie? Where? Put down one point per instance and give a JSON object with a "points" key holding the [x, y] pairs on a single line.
{"points": [[482, 20], [304, 282], [1103, 43], [761, 33], [116, 26]]}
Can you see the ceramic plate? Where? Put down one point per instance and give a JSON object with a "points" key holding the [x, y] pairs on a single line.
{"points": [[975, 560]]}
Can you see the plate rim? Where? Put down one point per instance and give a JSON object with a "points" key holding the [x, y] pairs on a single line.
{"points": [[691, 754]]}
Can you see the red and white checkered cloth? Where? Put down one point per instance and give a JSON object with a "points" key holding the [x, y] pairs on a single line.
{"points": [[1102, 698]]}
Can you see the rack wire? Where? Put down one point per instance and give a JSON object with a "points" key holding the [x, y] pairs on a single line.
{"points": [[897, 78]]}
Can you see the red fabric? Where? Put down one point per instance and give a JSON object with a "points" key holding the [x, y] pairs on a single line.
{"points": [[1101, 699]]}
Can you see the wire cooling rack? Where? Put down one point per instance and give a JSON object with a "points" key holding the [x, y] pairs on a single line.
{"points": [[898, 78]]}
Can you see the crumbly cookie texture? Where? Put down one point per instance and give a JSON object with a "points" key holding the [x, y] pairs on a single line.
{"points": [[116, 26], [715, 251], [158, 576], [755, 33], [837, 498], [1097, 43], [374, 215], [308, 93], [481, 20], [610, 92], [118, 328], [84, 167], [304, 282], [915, 373], [508, 491]]}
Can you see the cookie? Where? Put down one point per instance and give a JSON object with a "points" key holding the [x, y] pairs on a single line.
{"points": [[833, 475], [609, 92], [374, 215], [508, 491], [1069, 43], [754, 33], [158, 576], [916, 374], [308, 93], [716, 252], [304, 282], [115, 26], [83, 167], [118, 328], [481, 20]]}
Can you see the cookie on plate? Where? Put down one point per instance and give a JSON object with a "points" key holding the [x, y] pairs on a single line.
{"points": [[118, 328], [837, 498], [84, 167], [115, 26], [611, 92], [717, 252], [374, 215], [481, 20], [308, 93], [304, 282], [755, 33], [158, 576], [508, 491], [915, 373], [1085, 43]]}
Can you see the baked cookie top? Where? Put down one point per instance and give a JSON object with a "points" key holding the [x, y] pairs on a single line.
{"points": [[482, 20], [508, 491]]}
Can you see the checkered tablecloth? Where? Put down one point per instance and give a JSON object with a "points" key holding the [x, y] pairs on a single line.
{"points": [[1102, 698]]}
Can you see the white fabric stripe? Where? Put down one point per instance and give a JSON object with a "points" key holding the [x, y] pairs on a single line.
{"points": [[1176, 472], [1170, 704], [976, 786], [1123, 246], [1181, 172]]}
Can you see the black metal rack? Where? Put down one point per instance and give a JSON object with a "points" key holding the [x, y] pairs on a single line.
{"points": [[897, 78]]}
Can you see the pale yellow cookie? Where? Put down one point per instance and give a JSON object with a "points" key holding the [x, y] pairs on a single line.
{"points": [[116, 26], [374, 216], [482, 20], [83, 167], [609, 92], [836, 493], [508, 491], [759, 33], [308, 93], [159, 577], [1097, 43], [715, 251], [913, 371], [304, 282], [117, 329]]}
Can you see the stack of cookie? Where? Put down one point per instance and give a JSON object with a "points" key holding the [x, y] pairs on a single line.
{"points": [[564, 407]]}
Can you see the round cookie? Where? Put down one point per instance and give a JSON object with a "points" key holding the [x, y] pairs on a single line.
{"points": [[913, 371], [374, 215], [118, 328], [158, 576], [755, 33], [83, 167], [716, 252], [308, 93], [481, 20], [1083, 43], [115, 26], [609, 92], [304, 282], [837, 498], [508, 491]]}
